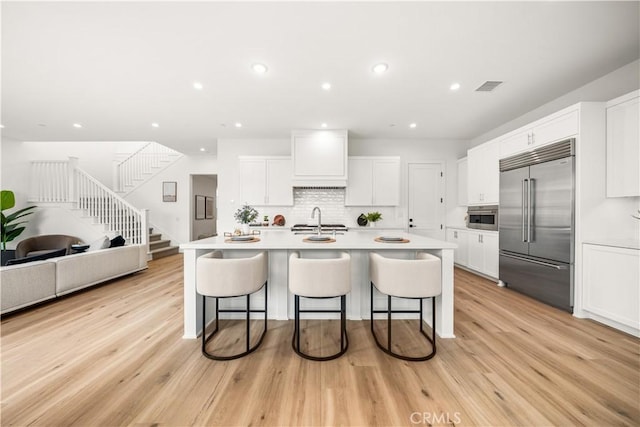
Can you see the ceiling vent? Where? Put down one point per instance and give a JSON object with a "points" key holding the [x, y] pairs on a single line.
{"points": [[488, 86]]}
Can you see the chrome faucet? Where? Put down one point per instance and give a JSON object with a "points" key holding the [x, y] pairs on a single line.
{"points": [[313, 213]]}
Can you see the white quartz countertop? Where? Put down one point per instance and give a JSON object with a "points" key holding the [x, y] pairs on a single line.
{"points": [[616, 243], [356, 240]]}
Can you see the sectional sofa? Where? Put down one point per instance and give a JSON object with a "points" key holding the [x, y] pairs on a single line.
{"points": [[26, 284]]}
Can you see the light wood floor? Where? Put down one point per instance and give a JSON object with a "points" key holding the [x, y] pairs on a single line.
{"points": [[114, 356]]}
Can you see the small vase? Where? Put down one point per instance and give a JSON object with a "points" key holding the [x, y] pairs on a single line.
{"points": [[245, 228]]}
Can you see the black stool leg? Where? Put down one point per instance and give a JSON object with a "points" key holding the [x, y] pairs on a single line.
{"points": [[389, 311]]}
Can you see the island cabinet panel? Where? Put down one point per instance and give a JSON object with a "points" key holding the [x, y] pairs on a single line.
{"points": [[542, 132], [623, 146], [483, 176], [611, 277], [373, 181], [266, 181], [461, 238]]}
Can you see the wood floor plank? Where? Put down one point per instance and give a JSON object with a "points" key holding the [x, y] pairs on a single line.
{"points": [[114, 355]]}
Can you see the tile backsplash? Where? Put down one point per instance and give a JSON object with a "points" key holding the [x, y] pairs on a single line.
{"points": [[331, 202]]}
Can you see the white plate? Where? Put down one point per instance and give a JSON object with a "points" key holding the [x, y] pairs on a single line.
{"points": [[242, 238], [319, 238], [391, 238]]}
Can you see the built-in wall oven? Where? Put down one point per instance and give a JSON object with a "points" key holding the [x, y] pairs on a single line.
{"points": [[483, 217]]}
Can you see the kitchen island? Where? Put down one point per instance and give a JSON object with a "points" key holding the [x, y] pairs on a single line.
{"points": [[358, 243]]}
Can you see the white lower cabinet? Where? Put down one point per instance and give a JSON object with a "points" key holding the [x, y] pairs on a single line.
{"points": [[610, 290], [483, 252], [477, 250]]}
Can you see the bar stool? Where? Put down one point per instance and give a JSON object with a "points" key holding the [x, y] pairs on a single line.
{"points": [[320, 278], [411, 279], [218, 277]]}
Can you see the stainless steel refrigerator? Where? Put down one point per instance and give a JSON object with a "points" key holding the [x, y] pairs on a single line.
{"points": [[536, 223]]}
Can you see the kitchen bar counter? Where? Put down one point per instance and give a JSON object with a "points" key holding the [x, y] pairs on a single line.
{"points": [[358, 244]]}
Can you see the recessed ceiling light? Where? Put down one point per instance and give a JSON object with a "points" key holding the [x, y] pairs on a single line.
{"points": [[238, 125], [412, 125], [197, 85], [326, 86], [155, 125], [1, 126], [77, 125], [259, 68], [203, 149], [454, 86], [380, 68], [324, 125]]}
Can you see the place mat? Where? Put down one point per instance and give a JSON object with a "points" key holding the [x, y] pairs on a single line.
{"points": [[255, 239], [378, 239], [306, 239]]}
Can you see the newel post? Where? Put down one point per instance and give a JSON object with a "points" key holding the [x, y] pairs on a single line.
{"points": [[73, 165], [144, 238]]}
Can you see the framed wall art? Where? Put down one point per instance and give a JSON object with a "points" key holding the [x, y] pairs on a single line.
{"points": [[208, 207], [169, 191], [200, 209]]}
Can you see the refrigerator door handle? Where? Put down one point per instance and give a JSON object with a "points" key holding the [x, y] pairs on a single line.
{"points": [[546, 264], [524, 236], [529, 182]]}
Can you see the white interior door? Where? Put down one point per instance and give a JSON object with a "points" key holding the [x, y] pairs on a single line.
{"points": [[426, 199]]}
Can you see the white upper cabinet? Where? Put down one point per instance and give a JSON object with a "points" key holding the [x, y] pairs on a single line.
{"points": [[483, 174], [266, 181], [623, 146], [545, 131], [373, 181], [462, 182], [319, 157]]}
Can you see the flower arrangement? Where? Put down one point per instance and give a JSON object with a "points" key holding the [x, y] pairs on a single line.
{"points": [[374, 216], [246, 214]]}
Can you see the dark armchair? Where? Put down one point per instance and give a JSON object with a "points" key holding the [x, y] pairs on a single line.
{"points": [[38, 245]]}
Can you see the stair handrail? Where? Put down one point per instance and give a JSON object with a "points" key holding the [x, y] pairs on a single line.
{"points": [[62, 181], [135, 235]]}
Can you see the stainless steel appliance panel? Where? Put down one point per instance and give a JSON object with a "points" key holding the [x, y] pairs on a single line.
{"points": [[513, 210], [551, 190], [549, 282], [483, 217]]}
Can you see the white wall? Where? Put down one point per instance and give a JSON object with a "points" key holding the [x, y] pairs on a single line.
{"points": [[173, 219], [617, 83]]}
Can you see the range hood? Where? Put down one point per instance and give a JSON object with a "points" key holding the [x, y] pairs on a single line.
{"points": [[319, 158]]}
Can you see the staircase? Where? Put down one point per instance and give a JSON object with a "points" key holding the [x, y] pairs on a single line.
{"points": [[63, 182], [160, 248], [141, 165]]}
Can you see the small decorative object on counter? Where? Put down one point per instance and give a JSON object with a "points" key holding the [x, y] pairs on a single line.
{"points": [[245, 216], [373, 217], [265, 221], [279, 220], [362, 220]]}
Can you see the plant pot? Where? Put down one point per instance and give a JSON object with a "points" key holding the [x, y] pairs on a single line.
{"points": [[7, 255], [245, 228], [372, 224]]}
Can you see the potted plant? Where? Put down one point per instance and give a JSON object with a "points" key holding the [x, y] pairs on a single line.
{"points": [[10, 228], [245, 216], [373, 217]]}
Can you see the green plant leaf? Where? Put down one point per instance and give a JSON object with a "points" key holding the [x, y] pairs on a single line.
{"points": [[7, 199], [19, 213]]}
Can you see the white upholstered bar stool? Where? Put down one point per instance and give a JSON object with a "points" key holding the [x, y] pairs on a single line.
{"points": [[218, 277], [320, 278], [406, 278]]}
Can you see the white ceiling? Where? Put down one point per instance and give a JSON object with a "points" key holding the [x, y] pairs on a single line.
{"points": [[117, 67]]}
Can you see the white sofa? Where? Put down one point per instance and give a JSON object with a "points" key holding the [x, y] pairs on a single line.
{"points": [[25, 284]]}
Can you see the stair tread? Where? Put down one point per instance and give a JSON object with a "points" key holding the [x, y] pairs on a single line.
{"points": [[164, 249]]}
